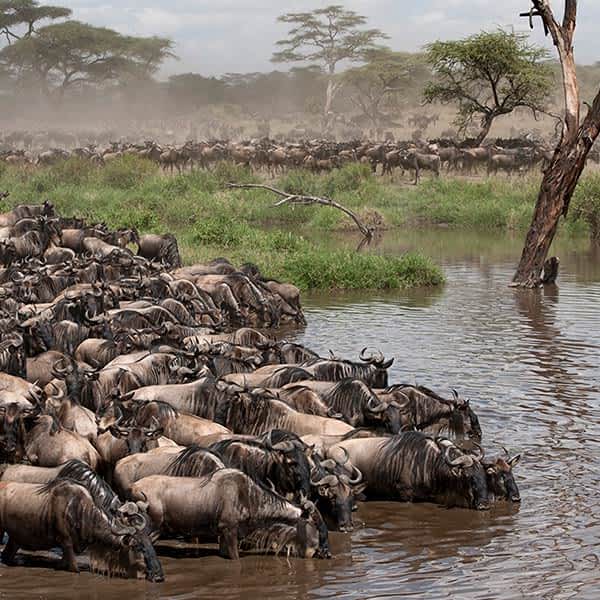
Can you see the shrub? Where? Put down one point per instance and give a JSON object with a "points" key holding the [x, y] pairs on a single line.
{"points": [[585, 205], [127, 172]]}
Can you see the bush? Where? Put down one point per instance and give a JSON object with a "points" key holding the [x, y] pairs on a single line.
{"points": [[221, 231], [127, 172], [74, 171], [351, 270], [585, 205]]}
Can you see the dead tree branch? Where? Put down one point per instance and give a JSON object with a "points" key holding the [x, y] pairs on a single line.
{"points": [[366, 231]]}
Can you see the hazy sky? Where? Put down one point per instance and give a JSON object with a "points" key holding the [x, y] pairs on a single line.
{"points": [[220, 36]]}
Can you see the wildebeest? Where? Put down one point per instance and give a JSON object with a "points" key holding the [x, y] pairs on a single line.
{"points": [[372, 370], [63, 513], [227, 504], [418, 407], [258, 411], [414, 467], [283, 465], [500, 478]]}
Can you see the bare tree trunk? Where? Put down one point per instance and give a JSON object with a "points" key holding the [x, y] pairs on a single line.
{"points": [[486, 125], [329, 97], [558, 185], [561, 176]]}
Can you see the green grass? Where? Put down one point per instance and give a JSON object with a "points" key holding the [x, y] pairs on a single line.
{"points": [[211, 221]]}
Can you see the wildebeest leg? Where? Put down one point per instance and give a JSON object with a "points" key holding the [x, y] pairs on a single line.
{"points": [[228, 544], [69, 560], [9, 552]]}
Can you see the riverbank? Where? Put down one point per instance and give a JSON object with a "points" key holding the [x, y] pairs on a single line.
{"points": [[211, 222]]}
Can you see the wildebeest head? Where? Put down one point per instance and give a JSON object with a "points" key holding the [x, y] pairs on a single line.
{"points": [[380, 378], [291, 470], [500, 478], [71, 374], [131, 526], [37, 335], [463, 419], [336, 488], [10, 431], [469, 472], [12, 355], [137, 438], [301, 541]]}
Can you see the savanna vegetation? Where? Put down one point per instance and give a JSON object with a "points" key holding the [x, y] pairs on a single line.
{"points": [[212, 221]]}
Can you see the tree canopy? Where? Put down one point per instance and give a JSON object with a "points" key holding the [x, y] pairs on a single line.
{"points": [[327, 36], [18, 18], [66, 54], [488, 75], [383, 81]]}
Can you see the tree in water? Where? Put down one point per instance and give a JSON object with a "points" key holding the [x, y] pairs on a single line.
{"points": [[327, 36], [488, 75], [576, 139]]}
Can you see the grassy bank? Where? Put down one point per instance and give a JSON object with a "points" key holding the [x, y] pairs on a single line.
{"points": [[210, 221]]}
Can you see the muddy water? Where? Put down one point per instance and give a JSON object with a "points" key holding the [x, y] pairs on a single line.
{"points": [[529, 362]]}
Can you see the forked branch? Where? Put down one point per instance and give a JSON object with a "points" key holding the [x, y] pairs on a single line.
{"points": [[286, 198]]}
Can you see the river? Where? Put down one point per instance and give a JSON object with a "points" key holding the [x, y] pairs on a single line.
{"points": [[530, 364]]}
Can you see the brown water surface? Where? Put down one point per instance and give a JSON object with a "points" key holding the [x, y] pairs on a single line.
{"points": [[529, 362]]}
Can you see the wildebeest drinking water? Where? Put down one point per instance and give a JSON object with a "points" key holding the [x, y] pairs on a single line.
{"points": [[149, 399]]}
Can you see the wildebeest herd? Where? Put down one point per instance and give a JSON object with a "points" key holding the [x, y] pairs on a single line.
{"points": [[141, 400], [515, 156]]}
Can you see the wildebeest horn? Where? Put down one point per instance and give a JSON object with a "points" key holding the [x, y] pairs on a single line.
{"points": [[327, 480], [334, 415], [16, 341], [363, 357], [59, 369], [328, 464], [59, 394], [346, 457], [376, 408], [123, 530], [89, 317], [357, 476], [464, 460], [141, 519], [480, 452]]}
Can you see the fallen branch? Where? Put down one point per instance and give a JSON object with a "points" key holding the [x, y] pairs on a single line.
{"points": [[306, 200]]}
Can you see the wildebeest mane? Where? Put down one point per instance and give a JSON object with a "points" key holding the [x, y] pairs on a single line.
{"points": [[279, 538], [163, 411], [286, 375], [81, 473], [349, 396], [255, 413], [194, 461]]}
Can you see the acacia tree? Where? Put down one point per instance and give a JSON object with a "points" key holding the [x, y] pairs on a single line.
{"points": [[382, 80], [327, 36], [576, 139], [18, 18], [67, 54], [488, 75]]}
